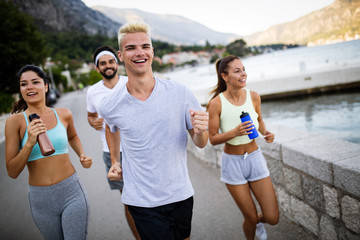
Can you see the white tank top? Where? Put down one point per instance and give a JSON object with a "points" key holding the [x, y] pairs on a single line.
{"points": [[230, 117]]}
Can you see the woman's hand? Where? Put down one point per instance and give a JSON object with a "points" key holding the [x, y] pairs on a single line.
{"points": [[269, 136], [244, 128], [35, 128], [85, 161]]}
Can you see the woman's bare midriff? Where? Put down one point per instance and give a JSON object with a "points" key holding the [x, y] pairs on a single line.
{"points": [[50, 170], [240, 149]]}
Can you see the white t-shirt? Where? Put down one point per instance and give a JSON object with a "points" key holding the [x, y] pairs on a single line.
{"points": [[94, 96], [153, 138]]}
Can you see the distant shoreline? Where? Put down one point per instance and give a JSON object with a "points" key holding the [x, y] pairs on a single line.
{"points": [[303, 84]]}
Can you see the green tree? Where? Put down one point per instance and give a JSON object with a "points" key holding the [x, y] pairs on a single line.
{"points": [[20, 44], [89, 78], [162, 48], [237, 48], [94, 77], [208, 46], [156, 66], [73, 45], [6, 101], [58, 78]]}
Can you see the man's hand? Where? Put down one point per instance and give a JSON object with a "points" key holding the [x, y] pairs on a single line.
{"points": [[199, 120], [115, 172], [98, 124]]}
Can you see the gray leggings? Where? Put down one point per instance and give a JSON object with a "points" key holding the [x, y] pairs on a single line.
{"points": [[60, 211]]}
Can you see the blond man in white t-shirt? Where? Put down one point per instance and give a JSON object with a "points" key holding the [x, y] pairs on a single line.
{"points": [[107, 65]]}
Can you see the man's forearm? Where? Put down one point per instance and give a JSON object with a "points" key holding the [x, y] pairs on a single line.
{"points": [[113, 142], [200, 140]]}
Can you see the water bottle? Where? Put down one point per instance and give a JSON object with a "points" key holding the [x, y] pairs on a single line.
{"points": [[44, 142], [246, 117]]}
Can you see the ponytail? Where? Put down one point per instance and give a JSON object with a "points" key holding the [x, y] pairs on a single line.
{"points": [[221, 67], [19, 106]]}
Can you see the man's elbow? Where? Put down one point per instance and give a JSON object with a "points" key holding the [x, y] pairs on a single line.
{"points": [[202, 145]]}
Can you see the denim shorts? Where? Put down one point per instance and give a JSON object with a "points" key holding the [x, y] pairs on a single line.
{"points": [[240, 169], [113, 184]]}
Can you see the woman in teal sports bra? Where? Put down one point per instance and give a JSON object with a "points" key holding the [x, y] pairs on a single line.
{"points": [[243, 167], [58, 200]]}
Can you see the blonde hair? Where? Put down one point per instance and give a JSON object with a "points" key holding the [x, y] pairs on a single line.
{"points": [[132, 27]]}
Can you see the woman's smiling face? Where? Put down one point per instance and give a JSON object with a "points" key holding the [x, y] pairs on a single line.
{"points": [[32, 87], [236, 74]]}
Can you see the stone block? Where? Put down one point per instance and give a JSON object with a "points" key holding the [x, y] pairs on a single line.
{"points": [[210, 155], [327, 229], [270, 149], [276, 172], [286, 134], [332, 205], [351, 236], [313, 193], [293, 182], [307, 164], [304, 215], [316, 155], [283, 201], [347, 175], [351, 213], [282, 135]]}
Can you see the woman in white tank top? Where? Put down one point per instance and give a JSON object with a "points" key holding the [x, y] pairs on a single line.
{"points": [[243, 168]]}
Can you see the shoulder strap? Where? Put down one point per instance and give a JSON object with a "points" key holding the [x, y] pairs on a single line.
{"points": [[248, 96], [57, 118], [26, 119], [222, 97]]}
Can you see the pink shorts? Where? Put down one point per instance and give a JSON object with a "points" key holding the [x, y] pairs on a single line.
{"points": [[240, 169]]}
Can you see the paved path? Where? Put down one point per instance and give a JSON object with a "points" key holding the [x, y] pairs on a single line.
{"points": [[215, 214]]}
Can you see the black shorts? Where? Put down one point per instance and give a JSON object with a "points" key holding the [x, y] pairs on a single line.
{"points": [[167, 222]]}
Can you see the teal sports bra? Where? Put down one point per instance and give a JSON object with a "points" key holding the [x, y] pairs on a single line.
{"points": [[57, 135]]}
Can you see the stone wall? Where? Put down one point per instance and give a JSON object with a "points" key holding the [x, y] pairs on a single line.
{"points": [[317, 180]]}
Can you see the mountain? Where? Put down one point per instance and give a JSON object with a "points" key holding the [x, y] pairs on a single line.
{"points": [[66, 16], [338, 21], [170, 28]]}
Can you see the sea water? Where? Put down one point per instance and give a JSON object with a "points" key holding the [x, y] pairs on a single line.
{"points": [[335, 115], [277, 64]]}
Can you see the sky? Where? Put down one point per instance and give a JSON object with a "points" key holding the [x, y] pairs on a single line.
{"points": [[242, 17]]}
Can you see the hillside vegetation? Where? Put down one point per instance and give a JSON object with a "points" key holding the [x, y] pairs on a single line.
{"points": [[337, 22]]}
